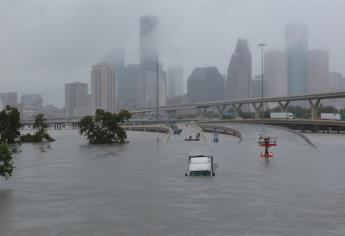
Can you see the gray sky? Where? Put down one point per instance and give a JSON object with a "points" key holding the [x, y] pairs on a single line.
{"points": [[46, 43]]}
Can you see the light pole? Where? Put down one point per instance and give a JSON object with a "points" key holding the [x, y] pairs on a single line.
{"points": [[262, 45], [157, 92]]}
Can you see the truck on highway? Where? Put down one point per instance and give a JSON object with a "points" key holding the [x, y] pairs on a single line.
{"points": [[281, 115], [330, 116]]}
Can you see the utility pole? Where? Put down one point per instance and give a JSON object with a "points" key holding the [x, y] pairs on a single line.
{"points": [[262, 45], [157, 93]]}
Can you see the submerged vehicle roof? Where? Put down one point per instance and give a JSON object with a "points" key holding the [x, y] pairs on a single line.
{"points": [[201, 152]]}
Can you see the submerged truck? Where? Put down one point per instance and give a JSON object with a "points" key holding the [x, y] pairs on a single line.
{"points": [[282, 115], [200, 163]]}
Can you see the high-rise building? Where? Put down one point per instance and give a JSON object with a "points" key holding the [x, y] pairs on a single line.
{"points": [[275, 73], [76, 95], [131, 98], [239, 72], [9, 98], [318, 71], [117, 59], [149, 43], [150, 66], [150, 88], [258, 87], [337, 81], [205, 84], [175, 81], [103, 87], [32, 100], [296, 45]]}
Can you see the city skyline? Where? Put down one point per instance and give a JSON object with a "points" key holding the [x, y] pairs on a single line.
{"points": [[52, 62]]}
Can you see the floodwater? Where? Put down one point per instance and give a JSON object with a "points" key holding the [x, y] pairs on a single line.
{"points": [[71, 188]]}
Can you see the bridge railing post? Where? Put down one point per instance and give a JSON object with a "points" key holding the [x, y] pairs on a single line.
{"points": [[220, 109], [257, 109], [284, 105], [314, 106], [202, 112], [236, 109]]}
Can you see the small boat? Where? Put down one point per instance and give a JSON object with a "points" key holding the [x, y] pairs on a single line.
{"points": [[191, 139]]}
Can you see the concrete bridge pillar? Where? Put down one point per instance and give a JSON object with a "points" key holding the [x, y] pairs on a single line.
{"points": [[236, 109], [171, 114], [202, 112], [258, 107], [314, 105], [284, 105], [221, 109]]}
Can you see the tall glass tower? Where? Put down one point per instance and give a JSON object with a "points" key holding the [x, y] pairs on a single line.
{"points": [[149, 43], [296, 45]]}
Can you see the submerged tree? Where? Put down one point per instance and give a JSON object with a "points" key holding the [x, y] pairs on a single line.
{"points": [[6, 162], [104, 127], [41, 126], [9, 125]]}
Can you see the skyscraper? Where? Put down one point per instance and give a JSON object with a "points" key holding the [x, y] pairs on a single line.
{"points": [[32, 100], [76, 95], [318, 71], [131, 97], [9, 98], [103, 87], [239, 72], [150, 69], [148, 43], [275, 70], [296, 45], [117, 59], [205, 84], [150, 88], [175, 81]]}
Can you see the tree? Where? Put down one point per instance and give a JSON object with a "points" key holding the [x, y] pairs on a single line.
{"points": [[103, 127], [6, 163], [41, 126], [9, 125]]}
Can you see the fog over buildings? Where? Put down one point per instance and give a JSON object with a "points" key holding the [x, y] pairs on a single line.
{"points": [[46, 44]]}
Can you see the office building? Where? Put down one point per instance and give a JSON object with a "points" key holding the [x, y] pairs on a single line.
{"points": [[32, 100], [296, 46], [239, 72], [76, 96], [318, 71], [103, 87], [117, 59], [149, 43], [205, 84], [275, 73], [9, 98], [131, 98], [175, 81]]}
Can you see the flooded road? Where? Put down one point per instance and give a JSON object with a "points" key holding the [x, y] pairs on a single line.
{"points": [[72, 188]]}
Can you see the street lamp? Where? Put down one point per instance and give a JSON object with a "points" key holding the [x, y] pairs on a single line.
{"points": [[262, 45]]}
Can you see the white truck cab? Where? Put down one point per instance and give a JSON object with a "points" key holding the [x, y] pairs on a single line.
{"points": [[200, 163]]}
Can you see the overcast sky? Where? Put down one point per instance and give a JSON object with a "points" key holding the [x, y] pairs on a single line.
{"points": [[46, 43]]}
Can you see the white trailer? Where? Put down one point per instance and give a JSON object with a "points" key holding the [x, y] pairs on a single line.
{"points": [[330, 116], [282, 115]]}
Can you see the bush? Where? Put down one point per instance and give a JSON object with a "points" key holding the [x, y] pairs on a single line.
{"points": [[6, 163]]}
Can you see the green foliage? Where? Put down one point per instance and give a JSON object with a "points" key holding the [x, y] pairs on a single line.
{"points": [[9, 125], [327, 109], [6, 163], [104, 128], [41, 126]]}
